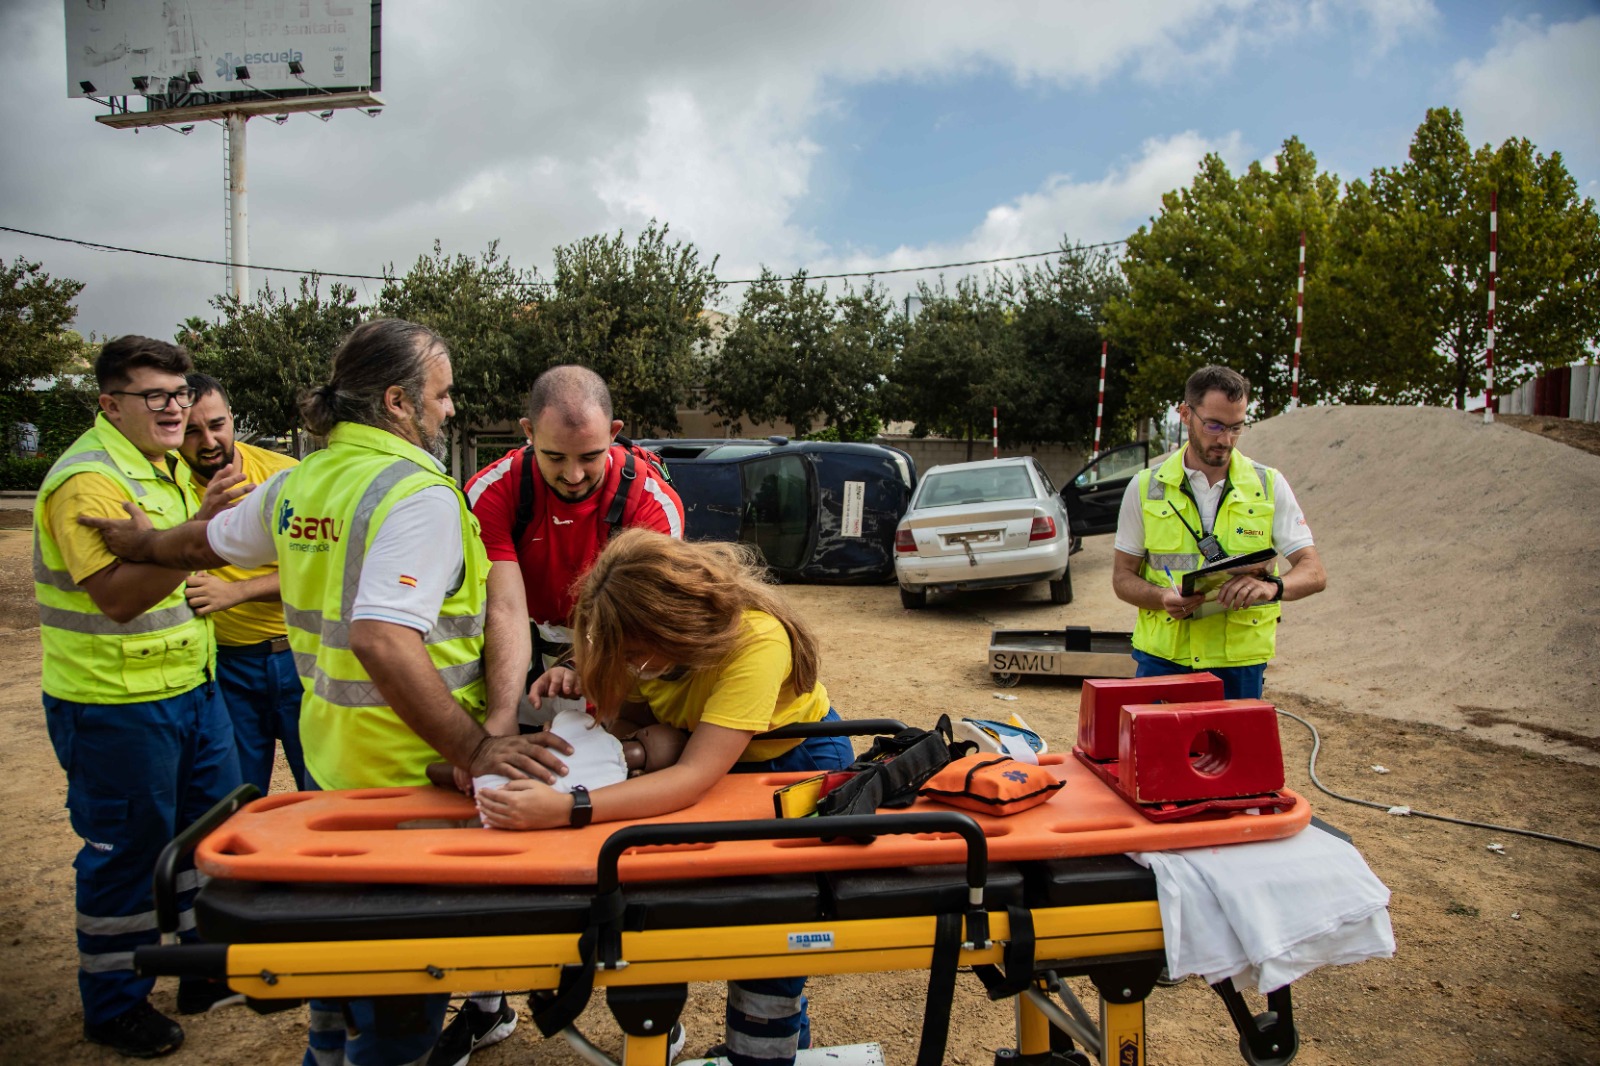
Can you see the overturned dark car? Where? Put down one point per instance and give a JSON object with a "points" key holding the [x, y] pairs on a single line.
{"points": [[818, 511]]}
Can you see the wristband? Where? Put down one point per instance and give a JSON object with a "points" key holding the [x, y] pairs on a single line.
{"points": [[1277, 597], [582, 809]]}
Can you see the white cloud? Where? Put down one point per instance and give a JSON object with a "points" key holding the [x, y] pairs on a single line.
{"points": [[1089, 211], [1540, 82]]}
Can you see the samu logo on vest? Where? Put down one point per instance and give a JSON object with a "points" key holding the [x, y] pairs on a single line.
{"points": [[312, 534], [1243, 532]]}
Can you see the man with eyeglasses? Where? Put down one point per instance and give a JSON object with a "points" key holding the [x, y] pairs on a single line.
{"points": [[1204, 503], [128, 674]]}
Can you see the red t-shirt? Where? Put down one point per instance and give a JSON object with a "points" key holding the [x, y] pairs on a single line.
{"points": [[563, 539]]}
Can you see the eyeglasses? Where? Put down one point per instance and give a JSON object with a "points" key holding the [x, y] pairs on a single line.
{"points": [[160, 400], [1217, 429]]}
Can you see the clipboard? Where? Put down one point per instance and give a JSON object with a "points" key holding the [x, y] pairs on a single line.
{"points": [[1213, 576]]}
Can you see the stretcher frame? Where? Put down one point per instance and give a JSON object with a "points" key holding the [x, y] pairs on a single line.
{"points": [[1093, 917]]}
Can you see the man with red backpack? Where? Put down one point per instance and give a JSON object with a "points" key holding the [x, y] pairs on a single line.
{"points": [[545, 511]]}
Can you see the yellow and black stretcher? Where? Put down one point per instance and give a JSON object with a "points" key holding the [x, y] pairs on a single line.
{"points": [[382, 892]]}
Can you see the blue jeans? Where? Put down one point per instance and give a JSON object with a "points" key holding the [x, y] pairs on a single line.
{"points": [[373, 1030], [815, 753], [137, 775], [1238, 682], [263, 693]]}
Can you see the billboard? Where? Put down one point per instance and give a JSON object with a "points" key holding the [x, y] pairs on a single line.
{"points": [[111, 42]]}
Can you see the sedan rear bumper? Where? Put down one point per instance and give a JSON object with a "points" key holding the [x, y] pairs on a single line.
{"points": [[995, 569]]}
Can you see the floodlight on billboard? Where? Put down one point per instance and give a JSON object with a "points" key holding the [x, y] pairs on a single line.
{"points": [[326, 44]]}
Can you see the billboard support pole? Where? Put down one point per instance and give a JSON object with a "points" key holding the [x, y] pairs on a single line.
{"points": [[238, 209]]}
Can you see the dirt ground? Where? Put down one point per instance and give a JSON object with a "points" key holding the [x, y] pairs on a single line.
{"points": [[1455, 648]]}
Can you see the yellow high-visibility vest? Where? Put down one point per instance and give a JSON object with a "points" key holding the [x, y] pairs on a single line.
{"points": [[88, 657], [324, 514], [1244, 524]]}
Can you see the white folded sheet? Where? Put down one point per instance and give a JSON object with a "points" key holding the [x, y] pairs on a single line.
{"points": [[1267, 913]]}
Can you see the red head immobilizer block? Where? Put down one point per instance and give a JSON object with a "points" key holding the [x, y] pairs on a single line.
{"points": [[1101, 704], [1217, 749]]}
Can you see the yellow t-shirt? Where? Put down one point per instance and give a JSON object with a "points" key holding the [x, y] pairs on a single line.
{"points": [[751, 692], [250, 623], [94, 495]]}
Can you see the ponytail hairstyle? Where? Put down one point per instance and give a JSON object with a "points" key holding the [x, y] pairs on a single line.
{"points": [[376, 355], [683, 600]]}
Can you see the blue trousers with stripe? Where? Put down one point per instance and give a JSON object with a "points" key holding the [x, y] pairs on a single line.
{"points": [[767, 1020], [137, 775], [376, 1030], [262, 692]]}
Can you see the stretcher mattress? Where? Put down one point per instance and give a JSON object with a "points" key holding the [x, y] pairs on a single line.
{"points": [[413, 836]]}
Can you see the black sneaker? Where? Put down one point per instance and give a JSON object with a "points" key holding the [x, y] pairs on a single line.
{"points": [[472, 1029], [140, 1032], [196, 995]]}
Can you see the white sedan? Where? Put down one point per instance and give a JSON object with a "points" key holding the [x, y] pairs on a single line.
{"points": [[996, 523]]}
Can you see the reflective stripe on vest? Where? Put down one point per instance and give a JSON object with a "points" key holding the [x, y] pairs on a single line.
{"points": [[1243, 523], [323, 515], [89, 657]]}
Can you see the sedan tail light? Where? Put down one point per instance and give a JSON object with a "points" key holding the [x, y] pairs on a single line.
{"points": [[1044, 528], [903, 541]]}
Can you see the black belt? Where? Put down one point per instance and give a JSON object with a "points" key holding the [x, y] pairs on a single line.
{"points": [[265, 647]]}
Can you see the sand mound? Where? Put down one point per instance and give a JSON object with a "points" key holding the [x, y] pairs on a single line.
{"points": [[1464, 572]]}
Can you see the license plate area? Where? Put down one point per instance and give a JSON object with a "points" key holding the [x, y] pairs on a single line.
{"points": [[973, 537]]}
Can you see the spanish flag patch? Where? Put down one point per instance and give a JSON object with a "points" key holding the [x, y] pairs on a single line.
{"points": [[407, 579]]}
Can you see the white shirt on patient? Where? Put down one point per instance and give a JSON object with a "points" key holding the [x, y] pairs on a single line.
{"points": [[596, 759]]}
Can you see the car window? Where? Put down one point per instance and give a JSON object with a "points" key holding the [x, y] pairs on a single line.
{"points": [[990, 485], [1049, 486], [1116, 464], [734, 451], [777, 509]]}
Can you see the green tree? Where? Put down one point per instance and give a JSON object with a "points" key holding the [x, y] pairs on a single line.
{"points": [[1056, 325], [955, 363], [633, 314], [1212, 279], [795, 355], [1407, 303], [476, 304], [36, 316], [267, 351]]}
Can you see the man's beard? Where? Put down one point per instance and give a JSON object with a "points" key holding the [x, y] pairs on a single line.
{"points": [[211, 470], [436, 444]]}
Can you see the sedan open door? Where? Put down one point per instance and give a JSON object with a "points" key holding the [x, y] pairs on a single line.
{"points": [[1094, 496]]}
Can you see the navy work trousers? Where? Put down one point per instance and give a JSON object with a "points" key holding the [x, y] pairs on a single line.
{"points": [[137, 775], [263, 693]]}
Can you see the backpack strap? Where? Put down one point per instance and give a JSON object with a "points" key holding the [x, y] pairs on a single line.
{"points": [[619, 500], [525, 499]]}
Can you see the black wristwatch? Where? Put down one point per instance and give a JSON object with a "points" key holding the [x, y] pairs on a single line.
{"points": [[582, 809], [1278, 581]]}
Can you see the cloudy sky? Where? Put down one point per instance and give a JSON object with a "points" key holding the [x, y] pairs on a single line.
{"points": [[855, 135]]}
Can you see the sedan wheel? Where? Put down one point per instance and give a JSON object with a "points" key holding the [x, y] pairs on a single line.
{"points": [[913, 600], [1061, 591]]}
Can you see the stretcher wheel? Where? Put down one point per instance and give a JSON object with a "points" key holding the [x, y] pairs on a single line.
{"points": [[1007, 680], [1288, 1044]]}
